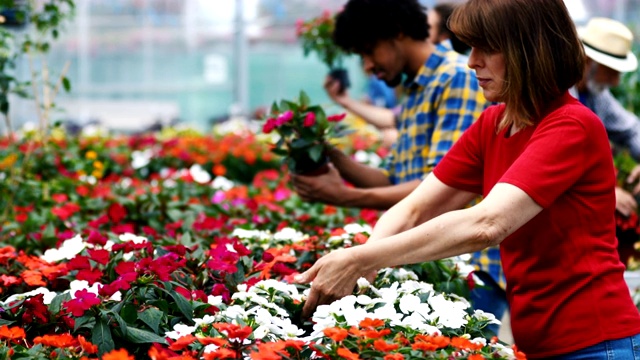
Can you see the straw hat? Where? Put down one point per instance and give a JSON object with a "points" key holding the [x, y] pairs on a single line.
{"points": [[608, 42]]}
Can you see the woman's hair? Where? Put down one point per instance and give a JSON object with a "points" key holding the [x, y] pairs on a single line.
{"points": [[543, 55], [363, 23], [444, 10]]}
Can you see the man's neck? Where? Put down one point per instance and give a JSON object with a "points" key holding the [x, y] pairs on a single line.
{"points": [[418, 52]]}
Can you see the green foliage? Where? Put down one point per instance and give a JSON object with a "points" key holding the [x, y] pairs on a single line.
{"points": [[316, 36]]}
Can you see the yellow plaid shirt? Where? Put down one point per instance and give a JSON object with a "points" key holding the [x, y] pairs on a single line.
{"points": [[440, 103]]}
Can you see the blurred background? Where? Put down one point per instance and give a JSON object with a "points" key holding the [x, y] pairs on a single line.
{"points": [[141, 63]]}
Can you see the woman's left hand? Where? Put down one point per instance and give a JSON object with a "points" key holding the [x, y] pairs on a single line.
{"points": [[334, 276]]}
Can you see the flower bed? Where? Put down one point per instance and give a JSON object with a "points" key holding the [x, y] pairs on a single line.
{"points": [[164, 247]]}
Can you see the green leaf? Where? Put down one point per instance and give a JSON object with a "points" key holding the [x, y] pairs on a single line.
{"points": [[183, 304], [66, 84], [101, 337], [301, 143], [138, 336], [6, 322], [151, 317], [56, 303], [83, 321], [121, 323], [315, 153], [304, 99]]}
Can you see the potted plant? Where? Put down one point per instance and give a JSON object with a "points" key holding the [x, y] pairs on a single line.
{"points": [[316, 35], [304, 131]]}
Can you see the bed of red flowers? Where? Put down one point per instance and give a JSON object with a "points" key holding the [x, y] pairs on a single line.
{"points": [[181, 246]]}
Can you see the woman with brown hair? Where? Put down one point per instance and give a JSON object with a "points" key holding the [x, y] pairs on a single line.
{"points": [[543, 164]]}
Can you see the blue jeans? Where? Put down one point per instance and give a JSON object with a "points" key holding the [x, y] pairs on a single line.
{"points": [[490, 298], [621, 349]]}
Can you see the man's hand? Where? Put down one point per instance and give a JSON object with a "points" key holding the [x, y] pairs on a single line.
{"points": [[633, 177], [334, 276], [332, 87], [328, 188], [625, 202]]}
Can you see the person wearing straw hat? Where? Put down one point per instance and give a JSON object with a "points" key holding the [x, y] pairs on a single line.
{"points": [[607, 44]]}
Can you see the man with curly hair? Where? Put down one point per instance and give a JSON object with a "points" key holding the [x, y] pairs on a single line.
{"points": [[442, 99]]}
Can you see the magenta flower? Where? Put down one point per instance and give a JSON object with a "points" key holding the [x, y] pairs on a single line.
{"points": [[336, 118], [309, 119], [284, 118], [84, 301]]}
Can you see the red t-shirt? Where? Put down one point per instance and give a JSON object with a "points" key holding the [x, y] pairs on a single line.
{"points": [[565, 281]]}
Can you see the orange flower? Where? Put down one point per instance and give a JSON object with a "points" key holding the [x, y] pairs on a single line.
{"points": [[519, 354], [13, 334], [394, 357], [182, 342], [384, 346], [33, 278], [120, 354], [222, 353], [347, 354], [476, 357], [464, 344], [373, 323], [335, 333], [374, 334], [211, 340], [430, 343], [60, 341], [86, 346], [219, 170]]}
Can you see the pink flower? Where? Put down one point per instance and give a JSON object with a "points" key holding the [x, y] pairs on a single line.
{"points": [[84, 301], [309, 119], [284, 118], [269, 125], [336, 118]]}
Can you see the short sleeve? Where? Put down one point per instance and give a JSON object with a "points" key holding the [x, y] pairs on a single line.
{"points": [[462, 166], [556, 157]]}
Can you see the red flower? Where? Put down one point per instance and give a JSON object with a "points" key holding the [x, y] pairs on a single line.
{"points": [[59, 198], [117, 212], [65, 211], [309, 119], [35, 310], [98, 255], [336, 118], [84, 301]]}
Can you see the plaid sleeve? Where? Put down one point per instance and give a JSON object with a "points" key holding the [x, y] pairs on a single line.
{"points": [[623, 127], [459, 105]]}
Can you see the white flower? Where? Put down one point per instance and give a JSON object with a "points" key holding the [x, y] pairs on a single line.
{"points": [[357, 228], [126, 237], [451, 314], [481, 315], [409, 303], [214, 300], [289, 234], [250, 234], [207, 319], [69, 249], [141, 159], [363, 283], [48, 296], [222, 183], [180, 330], [199, 174]]}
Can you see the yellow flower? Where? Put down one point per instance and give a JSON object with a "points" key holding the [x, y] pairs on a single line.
{"points": [[98, 165], [8, 161], [97, 174], [91, 155]]}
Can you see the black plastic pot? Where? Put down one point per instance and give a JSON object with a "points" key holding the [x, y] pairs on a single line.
{"points": [[342, 76]]}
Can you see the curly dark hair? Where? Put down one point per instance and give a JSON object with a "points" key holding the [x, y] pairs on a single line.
{"points": [[363, 23]]}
